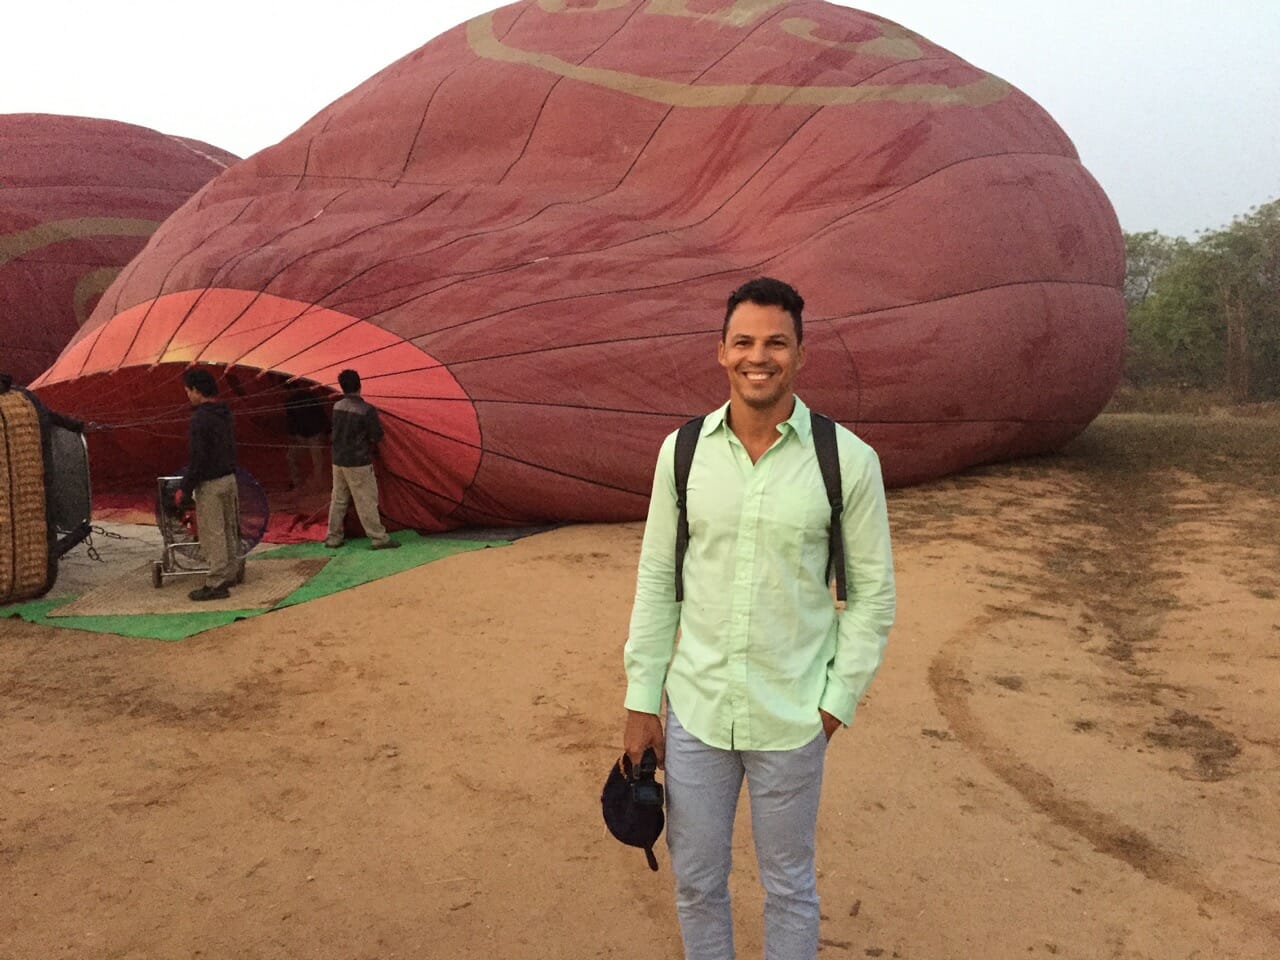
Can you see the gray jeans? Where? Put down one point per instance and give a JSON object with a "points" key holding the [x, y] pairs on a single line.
{"points": [[702, 785]]}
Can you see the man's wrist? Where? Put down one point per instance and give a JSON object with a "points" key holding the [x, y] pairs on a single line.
{"points": [[641, 699]]}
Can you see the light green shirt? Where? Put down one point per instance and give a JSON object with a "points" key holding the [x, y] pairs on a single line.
{"points": [[761, 645]]}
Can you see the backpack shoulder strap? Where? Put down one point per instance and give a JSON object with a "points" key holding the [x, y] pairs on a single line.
{"points": [[686, 444], [828, 452]]}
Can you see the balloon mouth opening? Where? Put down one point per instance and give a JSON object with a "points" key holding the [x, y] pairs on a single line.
{"points": [[136, 421], [125, 377]]}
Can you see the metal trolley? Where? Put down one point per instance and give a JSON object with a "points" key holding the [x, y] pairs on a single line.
{"points": [[180, 555]]}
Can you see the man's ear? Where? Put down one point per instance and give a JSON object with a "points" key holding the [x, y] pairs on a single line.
{"points": [[720, 353], [800, 356]]}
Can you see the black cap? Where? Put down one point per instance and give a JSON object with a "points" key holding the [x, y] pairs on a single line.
{"points": [[632, 803]]}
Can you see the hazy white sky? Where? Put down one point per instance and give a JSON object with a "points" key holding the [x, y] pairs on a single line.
{"points": [[1174, 105]]}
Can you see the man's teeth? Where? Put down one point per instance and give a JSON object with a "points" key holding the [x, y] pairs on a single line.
{"points": [[758, 376]]}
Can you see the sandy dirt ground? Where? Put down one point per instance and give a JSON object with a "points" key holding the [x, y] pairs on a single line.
{"points": [[1071, 750]]}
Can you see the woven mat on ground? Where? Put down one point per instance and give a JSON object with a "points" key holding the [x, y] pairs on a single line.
{"points": [[266, 583], [348, 567]]}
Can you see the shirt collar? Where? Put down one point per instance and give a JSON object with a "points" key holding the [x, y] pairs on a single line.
{"points": [[798, 423]]}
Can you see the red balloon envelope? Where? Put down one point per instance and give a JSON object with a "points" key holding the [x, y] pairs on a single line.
{"points": [[78, 198], [522, 235]]}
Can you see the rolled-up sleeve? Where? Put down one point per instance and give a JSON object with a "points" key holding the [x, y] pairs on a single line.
{"points": [[862, 628], [655, 617]]}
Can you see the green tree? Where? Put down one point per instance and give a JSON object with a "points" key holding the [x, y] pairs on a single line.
{"points": [[1176, 335], [1207, 313], [1146, 256], [1245, 260]]}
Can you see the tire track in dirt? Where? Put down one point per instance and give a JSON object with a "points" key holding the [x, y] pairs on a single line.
{"points": [[948, 678], [1126, 501]]}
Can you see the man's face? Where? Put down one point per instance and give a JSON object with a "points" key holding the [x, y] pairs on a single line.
{"points": [[194, 395], [760, 354]]}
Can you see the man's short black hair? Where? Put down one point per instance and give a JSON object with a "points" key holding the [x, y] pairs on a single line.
{"points": [[201, 381], [767, 292], [349, 381]]}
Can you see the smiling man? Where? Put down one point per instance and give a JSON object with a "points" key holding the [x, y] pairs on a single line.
{"points": [[768, 667]]}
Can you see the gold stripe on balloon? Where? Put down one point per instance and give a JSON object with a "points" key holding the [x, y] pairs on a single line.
{"points": [[562, 6], [894, 42], [739, 14], [980, 93], [92, 284], [14, 245]]}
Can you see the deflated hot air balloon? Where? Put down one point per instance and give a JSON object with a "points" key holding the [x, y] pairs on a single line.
{"points": [[522, 236], [78, 198]]}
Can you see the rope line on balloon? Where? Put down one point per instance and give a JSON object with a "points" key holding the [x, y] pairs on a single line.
{"points": [[555, 83], [246, 254], [319, 304], [180, 414], [122, 387], [203, 342], [530, 463], [489, 273], [316, 306], [458, 502], [675, 230], [596, 343], [177, 261], [471, 275], [306, 165], [644, 289], [417, 341], [278, 323], [549, 206], [877, 421], [250, 409], [140, 425], [456, 279], [422, 122], [441, 495], [505, 519], [228, 265], [504, 456], [287, 383], [121, 283]]}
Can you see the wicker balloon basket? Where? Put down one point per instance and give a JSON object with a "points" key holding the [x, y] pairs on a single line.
{"points": [[24, 528]]}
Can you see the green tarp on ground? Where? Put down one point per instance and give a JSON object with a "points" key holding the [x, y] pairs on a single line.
{"points": [[349, 566]]}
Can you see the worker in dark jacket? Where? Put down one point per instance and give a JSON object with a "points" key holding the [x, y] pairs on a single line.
{"points": [[306, 422], [356, 432], [211, 478]]}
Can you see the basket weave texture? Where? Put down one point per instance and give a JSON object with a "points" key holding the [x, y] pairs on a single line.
{"points": [[24, 527]]}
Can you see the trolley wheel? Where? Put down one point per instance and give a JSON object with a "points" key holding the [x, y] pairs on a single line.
{"points": [[157, 574], [240, 572]]}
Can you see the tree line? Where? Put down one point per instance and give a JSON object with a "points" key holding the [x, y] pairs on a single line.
{"points": [[1205, 313]]}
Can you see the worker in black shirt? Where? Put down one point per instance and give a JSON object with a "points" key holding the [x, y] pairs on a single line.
{"points": [[306, 422], [356, 432], [211, 478]]}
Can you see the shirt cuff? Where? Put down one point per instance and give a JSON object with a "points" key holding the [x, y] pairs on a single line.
{"points": [[643, 699], [838, 701]]}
